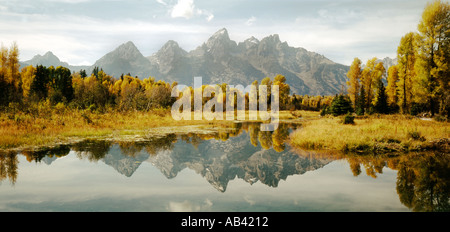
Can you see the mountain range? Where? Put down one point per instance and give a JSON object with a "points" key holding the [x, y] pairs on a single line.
{"points": [[222, 60]]}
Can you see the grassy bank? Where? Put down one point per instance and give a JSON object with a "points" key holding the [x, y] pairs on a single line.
{"points": [[47, 126], [52, 125], [377, 133], [25, 130]]}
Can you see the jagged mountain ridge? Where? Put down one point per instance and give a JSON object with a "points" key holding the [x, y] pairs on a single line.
{"points": [[126, 57], [222, 60], [50, 59]]}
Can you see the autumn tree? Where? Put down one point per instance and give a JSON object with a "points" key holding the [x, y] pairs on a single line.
{"points": [[379, 75], [406, 54], [283, 89], [13, 66], [370, 76], [159, 95], [4, 86], [354, 76], [252, 97], [434, 55], [267, 82], [28, 74], [131, 94], [90, 91], [10, 82], [3, 61], [391, 89]]}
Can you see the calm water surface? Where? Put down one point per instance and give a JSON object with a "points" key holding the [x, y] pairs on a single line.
{"points": [[241, 169]]}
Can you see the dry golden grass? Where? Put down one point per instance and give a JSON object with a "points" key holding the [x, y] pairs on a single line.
{"points": [[61, 125], [389, 131]]}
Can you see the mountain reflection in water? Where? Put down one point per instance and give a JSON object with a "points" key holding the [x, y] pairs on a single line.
{"points": [[245, 152]]}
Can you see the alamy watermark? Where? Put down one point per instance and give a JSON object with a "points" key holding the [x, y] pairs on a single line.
{"points": [[213, 109]]}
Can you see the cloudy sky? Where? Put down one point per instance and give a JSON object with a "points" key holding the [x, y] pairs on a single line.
{"points": [[81, 31]]}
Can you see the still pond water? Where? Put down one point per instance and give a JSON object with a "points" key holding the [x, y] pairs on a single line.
{"points": [[241, 169]]}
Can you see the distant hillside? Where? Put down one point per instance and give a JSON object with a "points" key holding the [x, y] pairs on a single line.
{"points": [[49, 59]]}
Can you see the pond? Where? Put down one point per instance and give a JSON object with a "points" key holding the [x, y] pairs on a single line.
{"points": [[241, 169]]}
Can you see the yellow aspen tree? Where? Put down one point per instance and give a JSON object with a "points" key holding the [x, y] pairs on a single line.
{"points": [[406, 54], [378, 73], [434, 55], [391, 89], [368, 80], [354, 76], [284, 90], [13, 65], [3, 61], [28, 73]]}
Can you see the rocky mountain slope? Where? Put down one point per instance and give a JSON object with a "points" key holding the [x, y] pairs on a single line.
{"points": [[222, 60]]}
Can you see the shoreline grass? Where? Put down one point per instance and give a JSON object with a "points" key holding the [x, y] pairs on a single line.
{"points": [[381, 133], [376, 133], [20, 130]]}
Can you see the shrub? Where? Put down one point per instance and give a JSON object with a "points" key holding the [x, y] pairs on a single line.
{"points": [[44, 109], [349, 119], [92, 108], [325, 111], [60, 108], [416, 135], [86, 118], [55, 97]]}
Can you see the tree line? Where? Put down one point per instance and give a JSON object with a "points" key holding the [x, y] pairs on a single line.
{"points": [[419, 82], [25, 88], [34, 84]]}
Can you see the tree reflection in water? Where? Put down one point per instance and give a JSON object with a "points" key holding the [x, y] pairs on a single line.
{"points": [[423, 179]]}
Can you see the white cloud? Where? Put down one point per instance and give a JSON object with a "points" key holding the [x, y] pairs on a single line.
{"points": [[210, 17], [186, 9], [183, 9], [250, 21]]}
